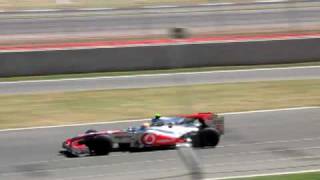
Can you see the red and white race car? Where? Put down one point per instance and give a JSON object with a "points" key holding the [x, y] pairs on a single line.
{"points": [[198, 130]]}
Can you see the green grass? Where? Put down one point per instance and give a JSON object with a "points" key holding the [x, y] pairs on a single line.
{"points": [[200, 69], [302, 176], [108, 105]]}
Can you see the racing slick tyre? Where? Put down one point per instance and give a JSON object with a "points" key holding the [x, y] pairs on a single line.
{"points": [[207, 137], [99, 145]]}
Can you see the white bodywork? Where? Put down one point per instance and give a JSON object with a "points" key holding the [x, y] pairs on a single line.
{"points": [[173, 131]]}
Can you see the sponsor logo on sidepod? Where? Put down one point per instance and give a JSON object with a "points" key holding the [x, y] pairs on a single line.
{"points": [[149, 138]]}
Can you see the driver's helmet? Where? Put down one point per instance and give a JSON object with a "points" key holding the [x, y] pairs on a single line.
{"points": [[145, 126], [157, 116], [156, 119]]}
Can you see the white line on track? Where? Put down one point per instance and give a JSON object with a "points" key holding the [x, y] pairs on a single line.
{"points": [[40, 10], [160, 74], [269, 174], [71, 125], [272, 110], [139, 120], [158, 7], [270, 1], [216, 4], [260, 152], [262, 161], [95, 9], [271, 142]]}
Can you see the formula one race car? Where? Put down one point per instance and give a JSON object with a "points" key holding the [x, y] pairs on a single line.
{"points": [[197, 130]]}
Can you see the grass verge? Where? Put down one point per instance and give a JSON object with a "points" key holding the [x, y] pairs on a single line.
{"points": [[199, 69], [302, 176], [93, 106]]}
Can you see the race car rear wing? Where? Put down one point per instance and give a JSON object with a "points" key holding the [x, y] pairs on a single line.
{"points": [[218, 121], [211, 119]]}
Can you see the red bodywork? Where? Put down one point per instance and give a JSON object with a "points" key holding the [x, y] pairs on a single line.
{"points": [[156, 140], [207, 116]]}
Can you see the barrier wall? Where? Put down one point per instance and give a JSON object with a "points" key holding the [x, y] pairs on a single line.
{"points": [[159, 57]]}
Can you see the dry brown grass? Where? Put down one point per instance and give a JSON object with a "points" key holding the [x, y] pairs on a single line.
{"points": [[92, 106]]}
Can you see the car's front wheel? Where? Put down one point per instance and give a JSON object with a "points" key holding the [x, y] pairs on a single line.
{"points": [[99, 145]]}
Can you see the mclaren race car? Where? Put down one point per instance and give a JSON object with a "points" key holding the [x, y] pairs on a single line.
{"points": [[197, 130]]}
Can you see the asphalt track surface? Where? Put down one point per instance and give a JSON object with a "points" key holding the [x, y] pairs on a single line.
{"points": [[256, 142], [159, 80], [111, 22]]}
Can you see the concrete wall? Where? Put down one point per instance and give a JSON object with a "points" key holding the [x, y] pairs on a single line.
{"points": [[156, 57]]}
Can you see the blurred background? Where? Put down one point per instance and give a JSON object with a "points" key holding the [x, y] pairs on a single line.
{"points": [[43, 21]]}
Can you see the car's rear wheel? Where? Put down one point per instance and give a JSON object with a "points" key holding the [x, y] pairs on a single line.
{"points": [[207, 137]]}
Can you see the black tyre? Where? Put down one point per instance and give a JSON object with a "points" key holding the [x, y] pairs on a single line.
{"points": [[99, 145], [207, 137], [196, 140]]}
